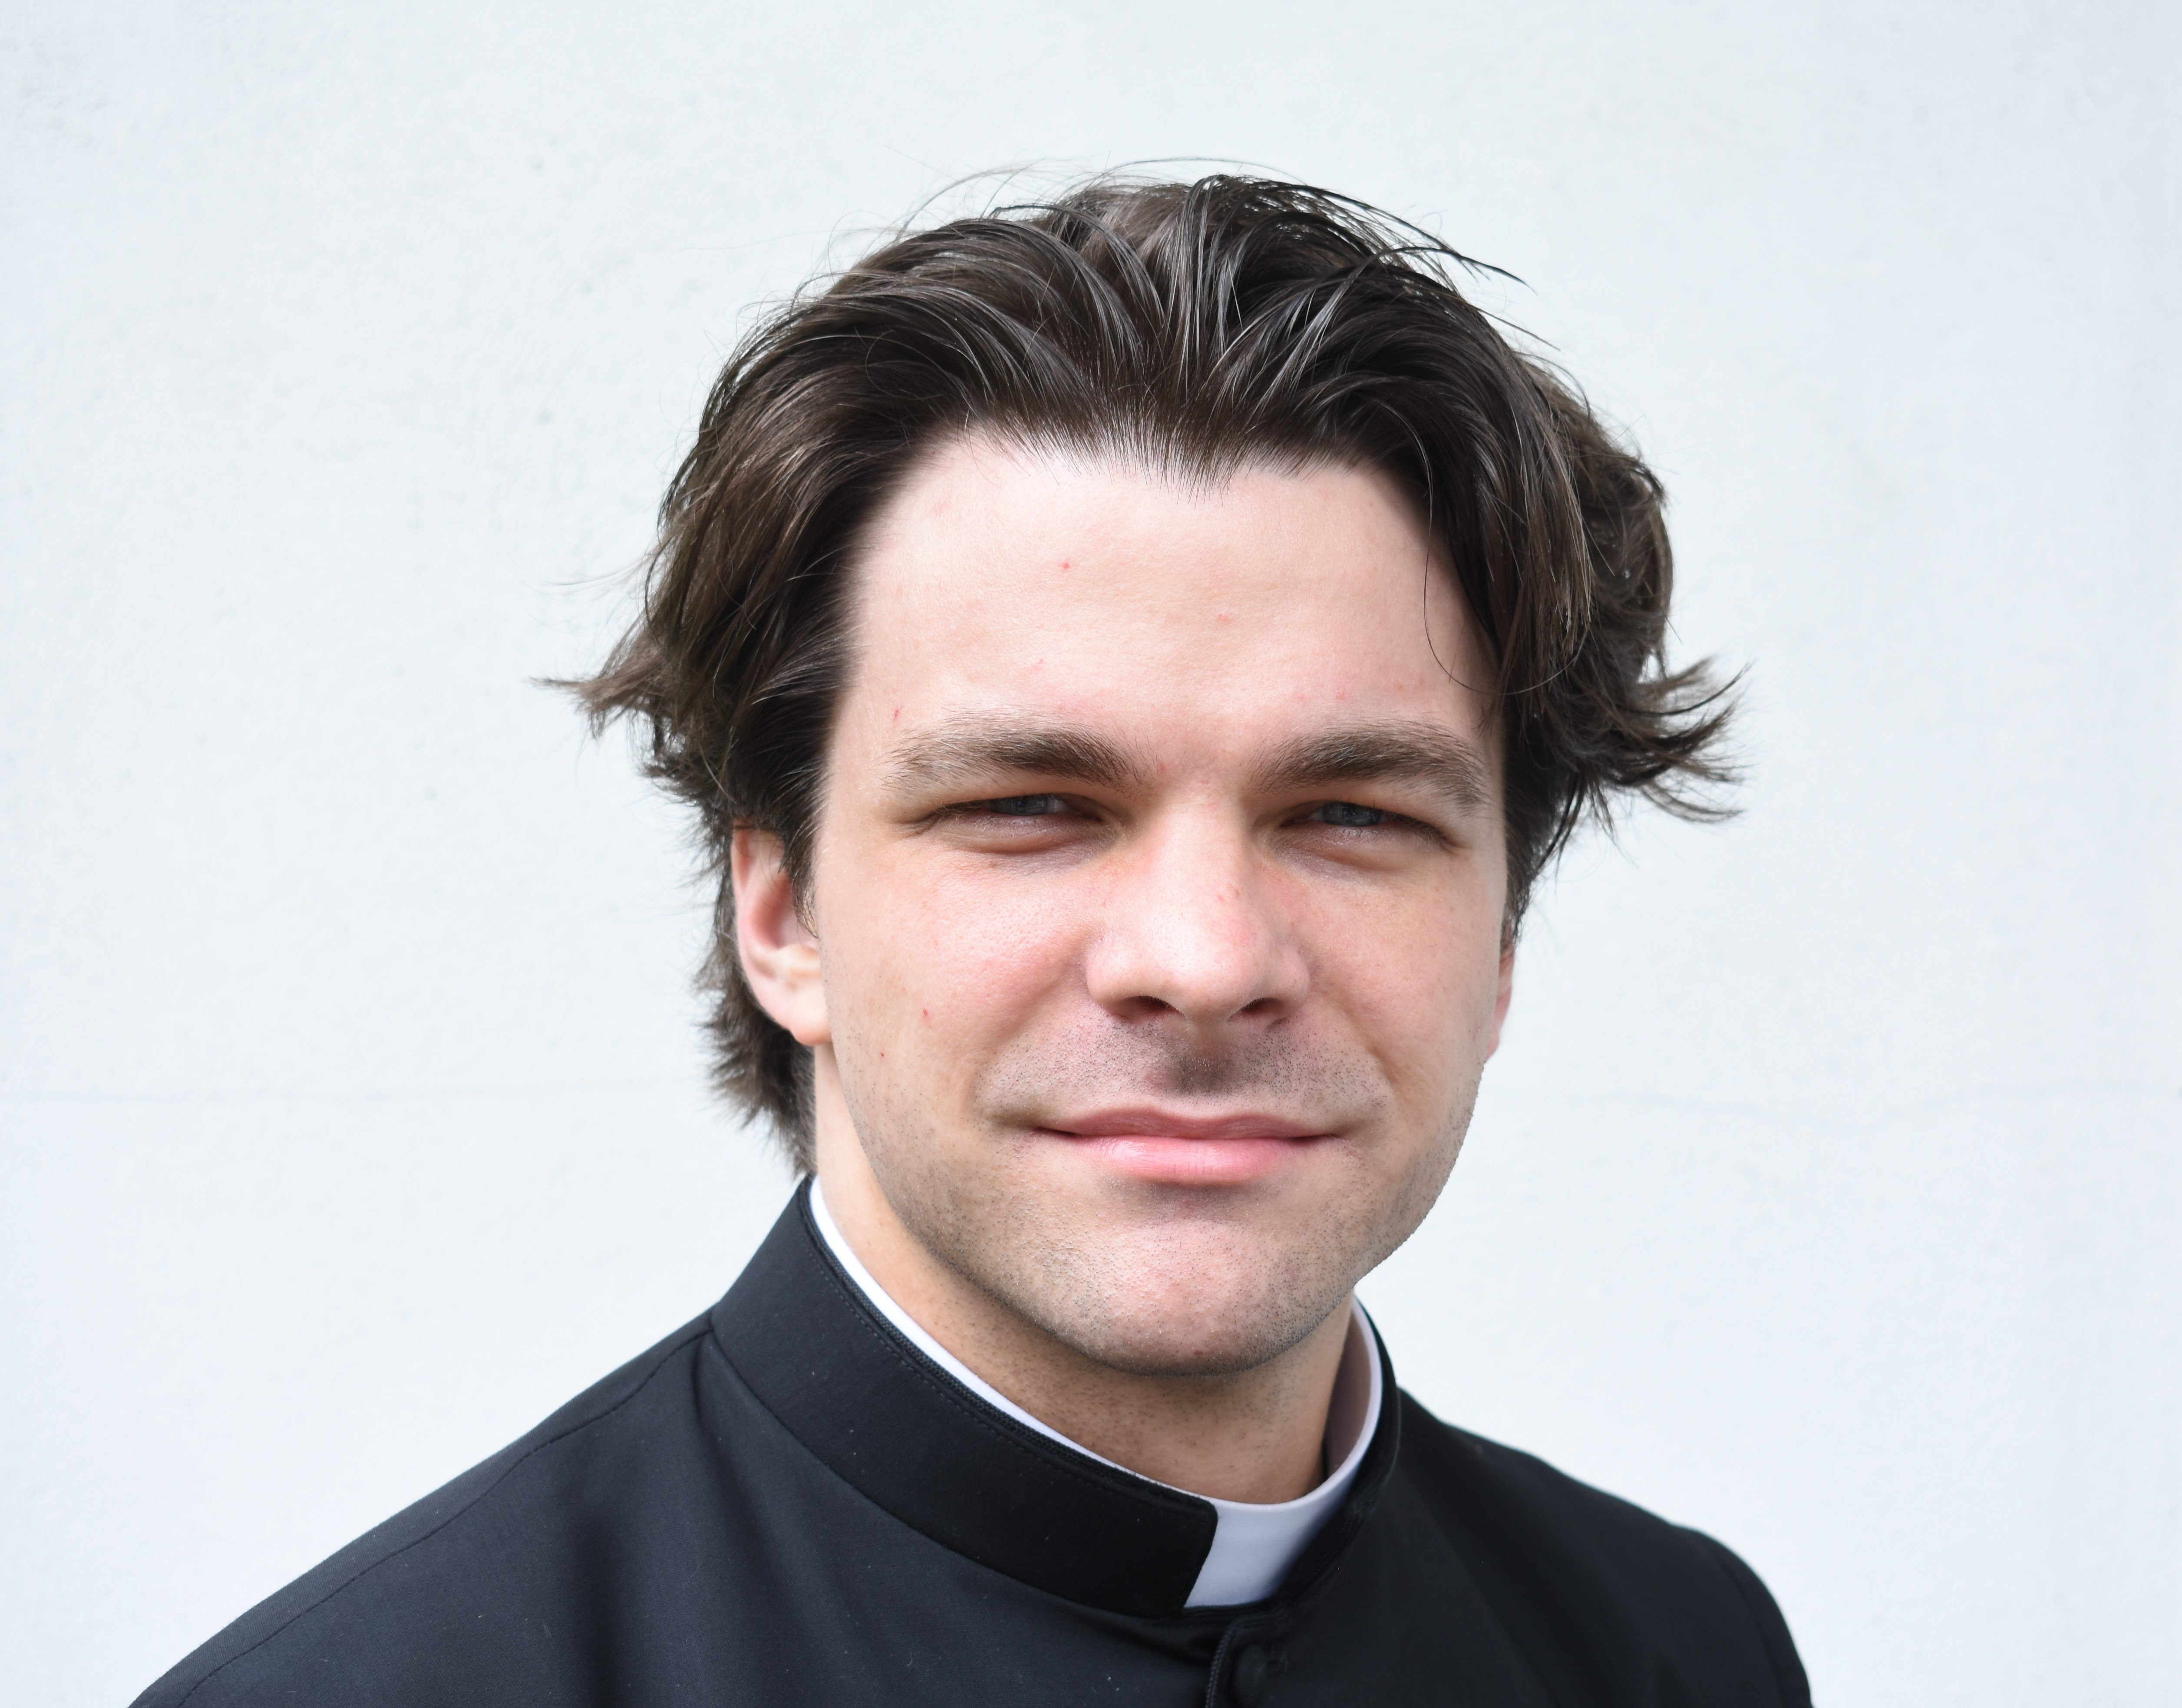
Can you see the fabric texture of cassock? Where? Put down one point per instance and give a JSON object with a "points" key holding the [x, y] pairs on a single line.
{"points": [[786, 1503]]}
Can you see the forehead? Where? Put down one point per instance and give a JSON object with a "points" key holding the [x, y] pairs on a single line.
{"points": [[1195, 619]]}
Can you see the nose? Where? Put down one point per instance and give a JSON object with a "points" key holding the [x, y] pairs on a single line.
{"points": [[1195, 934]]}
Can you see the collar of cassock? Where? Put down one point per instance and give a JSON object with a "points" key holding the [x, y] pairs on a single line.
{"points": [[870, 1394]]}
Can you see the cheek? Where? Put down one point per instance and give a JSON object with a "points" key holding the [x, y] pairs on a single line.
{"points": [[1417, 981], [943, 966]]}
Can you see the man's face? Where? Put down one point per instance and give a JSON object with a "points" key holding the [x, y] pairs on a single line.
{"points": [[1157, 893]]}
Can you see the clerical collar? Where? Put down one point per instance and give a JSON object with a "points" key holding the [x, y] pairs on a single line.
{"points": [[1253, 1544], [813, 1347]]}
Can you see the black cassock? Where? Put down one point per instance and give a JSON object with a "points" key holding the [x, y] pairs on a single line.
{"points": [[786, 1502]]}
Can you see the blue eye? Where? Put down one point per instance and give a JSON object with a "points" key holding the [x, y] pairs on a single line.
{"points": [[1348, 815], [1026, 805]]}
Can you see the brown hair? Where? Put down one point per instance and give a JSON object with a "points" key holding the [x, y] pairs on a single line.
{"points": [[1193, 326]]}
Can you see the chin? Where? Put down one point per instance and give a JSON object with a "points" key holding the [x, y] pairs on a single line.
{"points": [[1155, 1346], [1175, 1305]]}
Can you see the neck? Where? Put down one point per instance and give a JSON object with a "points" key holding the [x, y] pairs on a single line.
{"points": [[1253, 1435]]}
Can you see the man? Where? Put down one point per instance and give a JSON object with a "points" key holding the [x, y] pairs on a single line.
{"points": [[1131, 659]]}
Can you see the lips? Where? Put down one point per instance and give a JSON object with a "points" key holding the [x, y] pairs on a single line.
{"points": [[1177, 1150]]}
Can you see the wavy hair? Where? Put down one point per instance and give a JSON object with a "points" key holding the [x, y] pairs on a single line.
{"points": [[1194, 327]]}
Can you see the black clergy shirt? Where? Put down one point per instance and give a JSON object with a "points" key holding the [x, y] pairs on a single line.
{"points": [[787, 1502]]}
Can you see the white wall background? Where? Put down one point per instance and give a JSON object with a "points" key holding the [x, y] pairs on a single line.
{"points": [[1825, 1195]]}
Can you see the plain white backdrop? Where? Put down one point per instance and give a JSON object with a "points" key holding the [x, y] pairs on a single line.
{"points": [[1826, 1193]]}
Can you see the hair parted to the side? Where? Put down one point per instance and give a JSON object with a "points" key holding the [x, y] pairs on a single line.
{"points": [[1196, 327]]}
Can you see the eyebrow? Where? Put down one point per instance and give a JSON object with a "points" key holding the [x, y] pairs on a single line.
{"points": [[971, 750], [1401, 752]]}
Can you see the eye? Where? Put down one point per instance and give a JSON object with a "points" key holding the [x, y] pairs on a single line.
{"points": [[1346, 814], [1021, 806]]}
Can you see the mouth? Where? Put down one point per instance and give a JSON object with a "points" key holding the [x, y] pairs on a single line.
{"points": [[1181, 1151]]}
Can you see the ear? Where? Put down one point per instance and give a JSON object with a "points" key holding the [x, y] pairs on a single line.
{"points": [[779, 954], [1506, 994]]}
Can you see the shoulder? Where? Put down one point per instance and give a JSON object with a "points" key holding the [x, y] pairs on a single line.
{"points": [[1593, 1588], [375, 1614]]}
